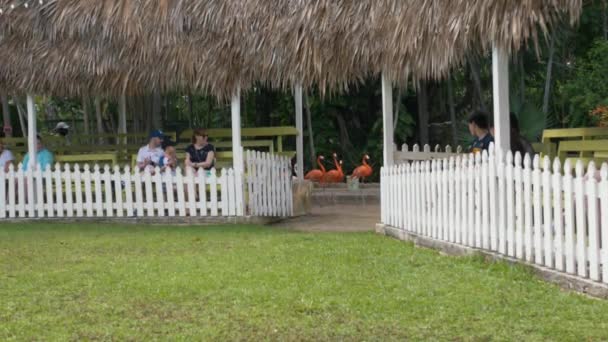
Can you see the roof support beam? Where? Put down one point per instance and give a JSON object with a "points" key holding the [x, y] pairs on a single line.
{"points": [[237, 148], [500, 80], [387, 119], [32, 141], [300, 137]]}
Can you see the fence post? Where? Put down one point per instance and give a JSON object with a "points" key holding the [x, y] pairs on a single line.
{"points": [[558, 215], [548, 222], [569, 218], [592, 221], [527, 178], [519, 209], [581, 246], [603, 188]]}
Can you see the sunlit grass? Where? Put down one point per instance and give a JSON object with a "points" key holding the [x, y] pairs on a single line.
{"points": [[62, 282]]}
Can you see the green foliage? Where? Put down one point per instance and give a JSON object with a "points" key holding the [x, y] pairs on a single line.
{"points": [[588, 86], [532, 120]]}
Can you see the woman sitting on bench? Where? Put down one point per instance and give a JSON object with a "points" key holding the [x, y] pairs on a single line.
{"points": [[200, 154]]}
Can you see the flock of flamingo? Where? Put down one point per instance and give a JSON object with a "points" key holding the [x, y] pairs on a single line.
{"points": [[336, 175]]}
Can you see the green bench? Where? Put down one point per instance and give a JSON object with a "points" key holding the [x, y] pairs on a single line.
{"points": [[585, 150], [274, 133], [552, 138]]}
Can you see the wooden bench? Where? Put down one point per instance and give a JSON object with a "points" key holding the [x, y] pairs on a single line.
{"points": [[277, 133], [115, 138], [227, 145], [586, 150], [101, 158], [553, 137], [222, 159]]}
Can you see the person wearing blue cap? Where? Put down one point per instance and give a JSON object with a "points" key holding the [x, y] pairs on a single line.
{"points": [[149, 155]]}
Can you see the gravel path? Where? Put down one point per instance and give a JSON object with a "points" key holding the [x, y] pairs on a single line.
{"points": [[336, 218]]}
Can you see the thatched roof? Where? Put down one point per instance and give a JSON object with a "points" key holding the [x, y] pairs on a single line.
{"points": [[105, 46]]}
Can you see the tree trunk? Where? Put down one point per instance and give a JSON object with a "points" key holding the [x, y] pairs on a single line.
{"points": [[547, 95], [397, 107], [190, 111], [22, 115], [423, 114], [6, 115], [311, 140], [605, 18], [98, 115], [85, 114], [452, 112], [474, 65], [522, 78]]}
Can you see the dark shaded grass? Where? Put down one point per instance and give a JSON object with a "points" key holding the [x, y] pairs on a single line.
{"points": [[62, 282]]}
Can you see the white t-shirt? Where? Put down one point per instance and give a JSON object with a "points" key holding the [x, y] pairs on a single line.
{"points": [[5, 157], [153, 153]]}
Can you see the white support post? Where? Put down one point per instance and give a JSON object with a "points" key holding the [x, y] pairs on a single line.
{"points": [[300, 137], [237, 149], [500, 80], [387, 118], [32, 132]]}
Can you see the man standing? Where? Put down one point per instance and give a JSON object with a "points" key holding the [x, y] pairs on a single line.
{"points": [[149, 155], [479, 128]]}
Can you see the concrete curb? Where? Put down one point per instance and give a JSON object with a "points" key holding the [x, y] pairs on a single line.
{"points": [[202, 221], [564, 280]]}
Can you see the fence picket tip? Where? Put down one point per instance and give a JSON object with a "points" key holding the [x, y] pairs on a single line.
{"points": [[426, 148], [546, 163], [536, 162], [404, 148], [459, 149], [604, 173], [591, 169], [517, 159], [116, 168], [437, 148], [557, 166], [57, 167], [127, 168]]}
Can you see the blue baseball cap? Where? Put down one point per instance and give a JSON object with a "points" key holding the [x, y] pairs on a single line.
{"points": [[156, 134]]}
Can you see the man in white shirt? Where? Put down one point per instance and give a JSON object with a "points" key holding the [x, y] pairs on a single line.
{"points": [[6, 157], [149, 155]]}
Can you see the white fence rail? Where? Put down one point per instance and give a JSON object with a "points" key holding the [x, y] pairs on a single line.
{"points": [[269, 184], [551, 216], [72, 192]]}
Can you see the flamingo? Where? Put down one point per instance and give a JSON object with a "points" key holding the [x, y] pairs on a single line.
{"points": [[364, 170], [336, 175], [316, 175]]}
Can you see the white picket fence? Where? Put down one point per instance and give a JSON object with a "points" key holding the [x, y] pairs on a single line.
{"points": [[269, 184], [551, 216], [72, 191]]}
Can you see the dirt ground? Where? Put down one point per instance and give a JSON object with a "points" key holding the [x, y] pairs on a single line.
{"points": [[336, 218]]}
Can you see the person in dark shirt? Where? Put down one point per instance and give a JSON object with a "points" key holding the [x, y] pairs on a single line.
{"points": [[200, 154], [518, 142], [479, 128]]}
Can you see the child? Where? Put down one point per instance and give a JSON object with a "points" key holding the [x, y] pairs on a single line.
{"points": [[168, 162]]}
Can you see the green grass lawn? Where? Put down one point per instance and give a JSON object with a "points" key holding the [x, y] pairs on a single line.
{"points": [[102, 282]]}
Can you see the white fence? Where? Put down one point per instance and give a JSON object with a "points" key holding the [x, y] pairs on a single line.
{"points": [[72, 191], [499, 203], [269, 184]]}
